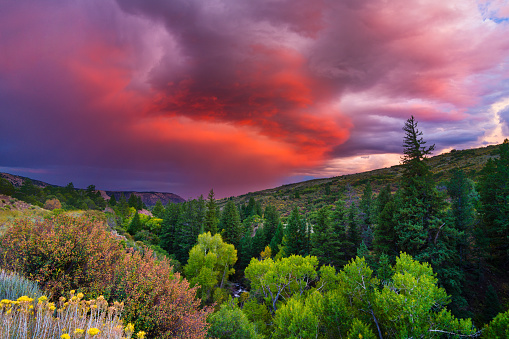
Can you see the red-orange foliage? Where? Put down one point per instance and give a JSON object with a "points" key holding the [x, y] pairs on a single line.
{"points": [[65, 253], [52, 204], [62, 253], [173, 310]]}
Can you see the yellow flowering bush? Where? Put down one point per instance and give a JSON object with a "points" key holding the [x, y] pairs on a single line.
{"points": [[71, 318]]}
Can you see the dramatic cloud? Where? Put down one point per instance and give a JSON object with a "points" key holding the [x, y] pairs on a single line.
{"points": [[188, 95]]}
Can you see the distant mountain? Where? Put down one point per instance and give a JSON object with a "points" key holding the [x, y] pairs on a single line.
{"points": [[148, 198], [17, 180]]}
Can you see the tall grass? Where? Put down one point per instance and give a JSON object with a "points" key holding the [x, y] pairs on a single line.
{"points": [[28, 318], [13, 286], [25, 313]]}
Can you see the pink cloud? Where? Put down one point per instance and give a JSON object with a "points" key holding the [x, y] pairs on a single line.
{"points": [[240, 94]]}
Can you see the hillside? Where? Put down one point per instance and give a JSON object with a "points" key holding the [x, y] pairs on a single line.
{"points": [[312, 194], [148, 198]]}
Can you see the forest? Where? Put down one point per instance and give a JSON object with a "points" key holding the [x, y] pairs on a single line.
{"points": [[411, 259]]}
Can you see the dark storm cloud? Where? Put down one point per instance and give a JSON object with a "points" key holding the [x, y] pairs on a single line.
{"points": [[237, 95]]}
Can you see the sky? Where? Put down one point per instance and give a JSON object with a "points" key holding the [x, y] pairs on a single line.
{"points": [[185, 96]]}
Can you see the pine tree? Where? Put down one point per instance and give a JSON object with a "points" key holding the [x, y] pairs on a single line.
{"points": [[384, 234], [135, 224], [354, 237], [494, 210], [122, 207], [415, 152], [492, 305], [321, 236], [277, 239], [419, 217], [169, 226], [112, 202], [367, 205], [133, 201], [211, 219], [338, 243], [189, 226], [463, 196], [230, 224], [245, 251], [158, 210], [295, 235], [422, 229], [258, 243], [271, 216], [384, 271]]}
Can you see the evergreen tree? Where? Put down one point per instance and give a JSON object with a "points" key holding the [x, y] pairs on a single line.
{"points": [[384, 271], [211, 218], [258, 209], [249, 209], [295, 235], [122, 208], [135, 225], [245, 251], [463, 198], [230, 224], [158, 210], [354, 237], [494, 209], [277, 239], [384, 234], [271, 216], [422, 229], [169, 226], [321, 236], [113, 201], [132, 201], [189, 226], [420, 214], [367, 205], [258, 243], [338, 242], [492, 305]]}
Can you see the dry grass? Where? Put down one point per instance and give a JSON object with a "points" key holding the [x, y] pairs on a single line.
{"points": [[26, 318]]}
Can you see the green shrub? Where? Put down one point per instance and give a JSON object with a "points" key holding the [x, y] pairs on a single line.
{"points": [[230, 323], [498, 328]]}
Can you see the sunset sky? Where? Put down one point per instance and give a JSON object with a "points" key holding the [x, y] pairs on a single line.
{"points": [[187, 95]]}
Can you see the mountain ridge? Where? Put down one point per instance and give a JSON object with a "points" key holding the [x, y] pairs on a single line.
{"points": [[149, 198], [306, 195]]}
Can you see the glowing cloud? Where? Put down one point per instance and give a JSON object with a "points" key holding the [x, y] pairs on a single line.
{"points": [[186, 95]]}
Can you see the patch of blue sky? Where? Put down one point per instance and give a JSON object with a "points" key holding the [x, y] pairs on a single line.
{"points": [[490, 12]]}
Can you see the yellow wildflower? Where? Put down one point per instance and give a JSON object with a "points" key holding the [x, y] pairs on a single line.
{"points": [[80, 295], [25, 299], [141, 335], [78, 331], [72, 292], [65, 336], [129, 328], [42, 299], [93, 331]]}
